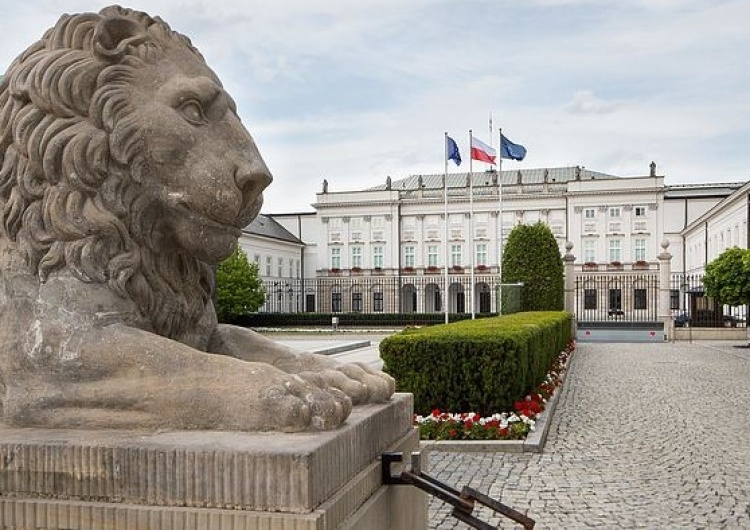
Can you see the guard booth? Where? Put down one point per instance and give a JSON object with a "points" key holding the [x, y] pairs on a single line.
{"points": [[704, 312]]}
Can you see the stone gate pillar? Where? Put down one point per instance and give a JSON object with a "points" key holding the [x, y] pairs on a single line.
{"points": [[569, 262], [570, 284], [665, 279]]}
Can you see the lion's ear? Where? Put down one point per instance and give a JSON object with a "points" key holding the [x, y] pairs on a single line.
{"points": [[113, 35]]}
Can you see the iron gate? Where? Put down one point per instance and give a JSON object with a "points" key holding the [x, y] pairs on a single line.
{"points": [[618, 307]]}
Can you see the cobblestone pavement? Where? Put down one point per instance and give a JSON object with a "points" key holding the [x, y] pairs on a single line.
{"points": [[644, 436]]}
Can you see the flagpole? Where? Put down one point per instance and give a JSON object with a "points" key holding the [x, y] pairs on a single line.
{"points": [[445, 249], [471, 229], [500, 216]]}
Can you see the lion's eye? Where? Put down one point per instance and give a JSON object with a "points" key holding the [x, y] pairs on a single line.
{"points": [[192, 111]]}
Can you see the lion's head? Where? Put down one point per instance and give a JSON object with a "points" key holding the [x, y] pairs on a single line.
{"points": [[123, 161]]}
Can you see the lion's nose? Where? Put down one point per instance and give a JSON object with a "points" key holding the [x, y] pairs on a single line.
{"points": [[252, 179]]}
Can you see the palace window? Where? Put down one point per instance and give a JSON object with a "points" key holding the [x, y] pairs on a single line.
{"points": [[589, 298], [615, 299], [377, 301], [640, 298], [455, 255], [639, 249], [335, 257], [409, 256], [377, 256], [336, 302], [356, 257], [589, 251], [615, 250], [357, 302], [432, 256], [482, 254]]}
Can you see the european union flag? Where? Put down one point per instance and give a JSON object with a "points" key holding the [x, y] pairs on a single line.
{"points": [[451, 148], [510, 150]]}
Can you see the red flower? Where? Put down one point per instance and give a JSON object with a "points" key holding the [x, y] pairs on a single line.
{"points": [[528, 407], [452, 433]]}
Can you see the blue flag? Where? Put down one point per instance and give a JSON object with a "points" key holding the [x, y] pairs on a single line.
{"points": [[510, 150], [451, 148]]}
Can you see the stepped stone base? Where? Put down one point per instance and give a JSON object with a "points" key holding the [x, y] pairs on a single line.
{"points": [[112, 480]]}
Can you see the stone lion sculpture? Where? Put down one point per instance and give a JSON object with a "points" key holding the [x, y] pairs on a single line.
{"points": [[125, 175]]}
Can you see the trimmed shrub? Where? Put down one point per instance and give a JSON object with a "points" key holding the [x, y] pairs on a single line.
{"points": [[532, 257], [392, 320], [480, 366]]}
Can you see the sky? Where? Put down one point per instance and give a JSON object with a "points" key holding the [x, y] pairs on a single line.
{"points": [[354, 91]]}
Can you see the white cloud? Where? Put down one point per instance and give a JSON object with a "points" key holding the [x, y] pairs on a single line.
{"points": [[585, 102], [356, 91]]}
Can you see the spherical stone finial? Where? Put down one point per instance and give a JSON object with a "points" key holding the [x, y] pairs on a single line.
{"points": [[665, 244], [568, 246]]}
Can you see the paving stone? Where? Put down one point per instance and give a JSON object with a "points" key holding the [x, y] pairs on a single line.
{"points": [[644, 436]]}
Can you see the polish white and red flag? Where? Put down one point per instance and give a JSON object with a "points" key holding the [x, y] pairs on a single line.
{"points": [[482, 152]]}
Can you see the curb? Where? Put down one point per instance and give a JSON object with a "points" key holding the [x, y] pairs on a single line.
{"points": [[349, 346], [534, 442], [326, 347]]}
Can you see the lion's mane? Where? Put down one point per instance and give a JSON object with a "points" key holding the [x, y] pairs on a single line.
{"points": [[71, 193]]}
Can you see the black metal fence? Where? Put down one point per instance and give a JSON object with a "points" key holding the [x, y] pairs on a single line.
{"points": [[392, 294], [692, 307], [602, 297]]}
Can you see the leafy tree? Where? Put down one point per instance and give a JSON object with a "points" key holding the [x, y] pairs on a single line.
{"points": [[531, 256], [239, 290], [727, 278]]}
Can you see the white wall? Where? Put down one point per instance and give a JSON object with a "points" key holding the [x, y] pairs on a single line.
{"points": [[416, 218]]}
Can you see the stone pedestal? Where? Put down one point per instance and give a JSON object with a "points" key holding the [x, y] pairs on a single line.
{"points": [[112, 480]]}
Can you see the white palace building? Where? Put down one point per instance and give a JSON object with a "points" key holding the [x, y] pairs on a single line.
{"points": [[385, 249]]}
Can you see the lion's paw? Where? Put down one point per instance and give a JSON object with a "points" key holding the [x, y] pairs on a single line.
{"points": [[359, 381], [297, 403]]}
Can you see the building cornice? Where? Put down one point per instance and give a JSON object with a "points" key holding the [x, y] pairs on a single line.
{"points": [[741, 194]]}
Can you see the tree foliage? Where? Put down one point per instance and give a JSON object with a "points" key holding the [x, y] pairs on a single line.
{"points": [[239, 290], [727, 278], [531, 256]]}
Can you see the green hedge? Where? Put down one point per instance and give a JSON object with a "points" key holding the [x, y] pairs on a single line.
{"points": [[347, 319], [478, 366]]}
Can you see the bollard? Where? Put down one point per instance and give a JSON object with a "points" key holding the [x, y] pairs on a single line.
{"points": [[335, 323]]}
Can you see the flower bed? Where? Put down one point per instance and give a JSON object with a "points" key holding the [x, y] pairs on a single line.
{"points": [[514, 425]]}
